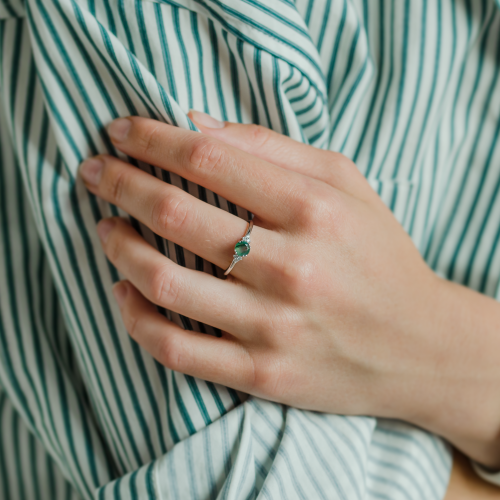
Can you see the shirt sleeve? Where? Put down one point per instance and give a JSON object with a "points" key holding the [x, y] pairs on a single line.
{"points": [[492, 477]]}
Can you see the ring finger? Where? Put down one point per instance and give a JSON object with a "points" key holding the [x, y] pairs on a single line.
{"points": [[222, 304]]}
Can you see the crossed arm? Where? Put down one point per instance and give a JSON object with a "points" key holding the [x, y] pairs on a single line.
{"points": [[334, 309]]}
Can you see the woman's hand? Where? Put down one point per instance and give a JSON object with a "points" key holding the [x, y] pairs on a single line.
{"points": [[333, 309]]}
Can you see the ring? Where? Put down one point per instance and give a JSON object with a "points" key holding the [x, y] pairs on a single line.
{"points": [[241, 249]]}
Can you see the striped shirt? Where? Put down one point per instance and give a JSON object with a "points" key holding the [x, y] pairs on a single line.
{"points": [[409, 89]]}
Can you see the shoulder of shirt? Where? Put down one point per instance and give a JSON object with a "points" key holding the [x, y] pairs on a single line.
{"points": [[492, 477]]}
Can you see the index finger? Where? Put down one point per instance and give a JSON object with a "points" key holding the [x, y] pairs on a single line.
{"points": [[268, 191]]}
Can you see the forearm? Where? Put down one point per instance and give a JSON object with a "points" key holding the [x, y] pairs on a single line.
{"points": [[461, 402]]}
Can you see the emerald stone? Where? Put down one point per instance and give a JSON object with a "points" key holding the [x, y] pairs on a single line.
{"points": [[242, 248]]}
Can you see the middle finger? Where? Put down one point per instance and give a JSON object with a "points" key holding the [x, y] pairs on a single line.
{"points": [[177, 216], [272, 193]]}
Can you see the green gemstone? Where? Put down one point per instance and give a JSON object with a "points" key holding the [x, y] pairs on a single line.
{"points": [[242, 248]]}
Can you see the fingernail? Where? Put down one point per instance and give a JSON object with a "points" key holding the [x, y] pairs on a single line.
{"points": [[104, 227], [91, 170], [119, 128], [206, 120], [120, 291]]}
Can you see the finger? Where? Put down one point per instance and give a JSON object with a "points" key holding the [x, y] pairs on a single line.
{"points": [[327, 166], [222, 304], [175, 215], [219, 360], [270, 192]]}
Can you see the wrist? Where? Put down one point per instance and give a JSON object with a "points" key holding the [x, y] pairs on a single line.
{"points": [[461, 401]]}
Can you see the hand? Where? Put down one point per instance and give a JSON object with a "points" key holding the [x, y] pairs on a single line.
{"points": [[333, 310]]}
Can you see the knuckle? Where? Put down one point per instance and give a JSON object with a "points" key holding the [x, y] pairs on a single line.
{"points": [[164, 286], [298, 275], [170, 212], [206, 156], [340, 170], [113, 247], [264, 377], [346, 169], [337, 158], [150, 141], [251, 374], [172, 354], [269, 376], [259, 136], [344, 162], [314, 208], [115, 183], [131, 322]]}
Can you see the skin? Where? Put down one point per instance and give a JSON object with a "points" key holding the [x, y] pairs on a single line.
{"points": [[465, 484], [334, 309]]}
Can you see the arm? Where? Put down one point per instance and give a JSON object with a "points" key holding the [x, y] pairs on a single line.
{"points": [[463, 403], [333, 291]]}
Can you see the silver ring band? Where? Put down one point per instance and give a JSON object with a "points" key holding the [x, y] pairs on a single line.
{"points": [[241, 249]]}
